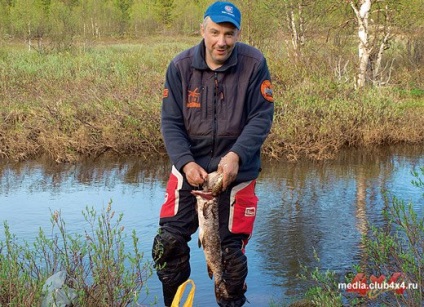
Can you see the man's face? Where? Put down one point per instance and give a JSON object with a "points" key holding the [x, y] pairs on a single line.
{"points": [[220, 40]]}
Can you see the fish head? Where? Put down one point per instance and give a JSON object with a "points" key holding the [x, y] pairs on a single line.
{"points": [[214, 183], [211, 188]]}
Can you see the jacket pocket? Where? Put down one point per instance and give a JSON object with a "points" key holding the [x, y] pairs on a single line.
{"points": [[243, 208], [172, 197]]}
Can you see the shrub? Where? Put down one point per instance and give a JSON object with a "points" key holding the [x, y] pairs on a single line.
{"points": [[100, 268]]}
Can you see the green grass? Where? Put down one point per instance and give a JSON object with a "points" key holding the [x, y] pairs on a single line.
{"points": [[106, 98]]}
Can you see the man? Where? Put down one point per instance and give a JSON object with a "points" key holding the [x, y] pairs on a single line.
{"points": [[217, 111]]}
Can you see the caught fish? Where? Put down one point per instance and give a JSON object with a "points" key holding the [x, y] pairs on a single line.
{"points": [[207, 210]]}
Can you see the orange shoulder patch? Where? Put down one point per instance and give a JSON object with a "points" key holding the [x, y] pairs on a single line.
{"points": [[266, 90], [165, 93]]}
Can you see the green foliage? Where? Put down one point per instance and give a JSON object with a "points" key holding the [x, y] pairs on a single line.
{"points": [[399, 247], [18, 270], [261, 21], [65, 26], [101, 267], [124, 8], [164, 11], [30, 19], [323, 286], [5, 6]]}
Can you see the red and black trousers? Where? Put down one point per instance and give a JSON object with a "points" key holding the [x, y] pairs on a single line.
{"points": [[179, 221]]}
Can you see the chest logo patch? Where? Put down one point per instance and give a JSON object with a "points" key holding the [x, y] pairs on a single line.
{"points": [[193, 99], [266, 90]]}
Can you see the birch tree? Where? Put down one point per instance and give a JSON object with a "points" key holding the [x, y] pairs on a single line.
{"points": [[372, 40], [31, 21], [362, 16], [290, 16], [295, 22]]}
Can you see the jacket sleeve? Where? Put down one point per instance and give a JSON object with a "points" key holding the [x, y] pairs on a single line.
{"points": [[172, 120], [259, 117]]}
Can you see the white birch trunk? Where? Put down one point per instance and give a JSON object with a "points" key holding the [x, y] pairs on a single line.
{"points": [[29, 36], [364, 50], [387, 34], [301, 24], [293, 29], [377, 67], [296, 26]]}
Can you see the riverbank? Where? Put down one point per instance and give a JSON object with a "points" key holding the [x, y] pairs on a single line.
{"points": [[107, 98]]}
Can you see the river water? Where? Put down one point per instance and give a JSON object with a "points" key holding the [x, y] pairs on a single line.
{"points": [[303, 207]]}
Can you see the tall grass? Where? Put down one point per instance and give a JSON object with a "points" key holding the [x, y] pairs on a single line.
{"points": [[106, 98]]}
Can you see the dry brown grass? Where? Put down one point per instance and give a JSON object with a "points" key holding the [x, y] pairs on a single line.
{"points": [[107, 99]]}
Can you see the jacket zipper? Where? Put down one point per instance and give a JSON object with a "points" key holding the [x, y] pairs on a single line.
{"points": [[214, 132]]}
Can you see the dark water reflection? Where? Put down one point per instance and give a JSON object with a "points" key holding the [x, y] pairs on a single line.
{"points": [[304, 206]]}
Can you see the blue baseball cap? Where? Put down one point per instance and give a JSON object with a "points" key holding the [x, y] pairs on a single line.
{"points": [[222, 11]]}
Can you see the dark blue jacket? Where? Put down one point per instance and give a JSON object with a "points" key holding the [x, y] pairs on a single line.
{"points": [[206, 114]]}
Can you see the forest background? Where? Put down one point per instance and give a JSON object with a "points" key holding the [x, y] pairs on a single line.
{"points": [[81, 78]]}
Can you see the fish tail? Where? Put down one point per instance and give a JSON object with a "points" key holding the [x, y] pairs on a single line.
{"points": [[221, 291]]}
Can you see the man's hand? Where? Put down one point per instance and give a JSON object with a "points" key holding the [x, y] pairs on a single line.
{"points": [[228, 166], [195, 174]]}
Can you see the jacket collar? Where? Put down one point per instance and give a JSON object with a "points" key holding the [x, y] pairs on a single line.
{"points": [[199, 61]]}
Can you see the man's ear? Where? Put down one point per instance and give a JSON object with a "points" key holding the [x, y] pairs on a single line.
{"points": [[238, 34], [202, 29]]}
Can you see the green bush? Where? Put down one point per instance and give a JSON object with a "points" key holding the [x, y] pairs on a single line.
{"points": [[100, 267]]}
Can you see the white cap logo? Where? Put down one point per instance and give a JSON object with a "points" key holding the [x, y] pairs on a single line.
{"points": [[229, 9]]}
